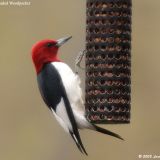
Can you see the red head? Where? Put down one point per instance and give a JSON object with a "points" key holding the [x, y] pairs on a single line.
{"points": [[46, 51]]}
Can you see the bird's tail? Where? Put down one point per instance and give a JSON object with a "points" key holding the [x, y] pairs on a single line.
{"points": [[79, 143], [105, 131]]}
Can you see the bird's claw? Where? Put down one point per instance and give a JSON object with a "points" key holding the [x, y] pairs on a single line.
{"points": [[79, 59]]}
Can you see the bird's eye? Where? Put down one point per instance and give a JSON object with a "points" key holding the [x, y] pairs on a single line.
{"points": [[49, 44]]}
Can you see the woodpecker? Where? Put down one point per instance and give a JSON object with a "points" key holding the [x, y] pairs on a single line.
{"points": [[60, 89]]}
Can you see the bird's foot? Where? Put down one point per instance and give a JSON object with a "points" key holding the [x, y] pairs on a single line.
{"points": [[78, 60]]}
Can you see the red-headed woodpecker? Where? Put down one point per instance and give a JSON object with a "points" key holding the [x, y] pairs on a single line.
{"points": [[60, 90]]}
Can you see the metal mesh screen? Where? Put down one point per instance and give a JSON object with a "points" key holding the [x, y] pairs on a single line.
{"points": [[108, 61]]}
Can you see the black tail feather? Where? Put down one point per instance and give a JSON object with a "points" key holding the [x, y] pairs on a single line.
{"points": [[79, 143], [105, 131], [78, 139], [79, 147]]}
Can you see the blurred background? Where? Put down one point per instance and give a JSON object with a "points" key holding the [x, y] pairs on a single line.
{"points": [[28, 130]]}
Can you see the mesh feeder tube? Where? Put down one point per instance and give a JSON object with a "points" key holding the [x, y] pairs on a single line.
{"points": [[108, 61]]}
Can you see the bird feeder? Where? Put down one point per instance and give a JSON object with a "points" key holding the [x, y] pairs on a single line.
{"points": [[108, 61]]}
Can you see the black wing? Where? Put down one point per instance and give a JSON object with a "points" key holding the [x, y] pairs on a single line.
{"points": [[50, 86]]}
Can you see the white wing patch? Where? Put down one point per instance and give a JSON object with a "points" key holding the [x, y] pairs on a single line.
{"points": [[62, 116], [60, 121]]}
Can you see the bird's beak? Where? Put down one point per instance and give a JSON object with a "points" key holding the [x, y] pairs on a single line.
{"points": [[61, 41]]}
